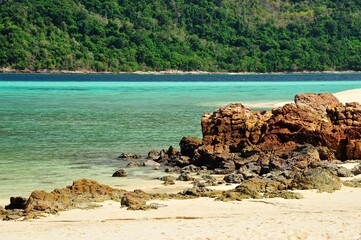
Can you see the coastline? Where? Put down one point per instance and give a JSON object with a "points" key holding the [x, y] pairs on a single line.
{"points": [[166, 72], [317, 216]]}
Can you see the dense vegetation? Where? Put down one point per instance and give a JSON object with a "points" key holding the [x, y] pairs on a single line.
{"points": [[209, 35]]}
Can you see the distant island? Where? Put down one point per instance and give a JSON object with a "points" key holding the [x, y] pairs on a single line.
{"points": [[191, 36]]}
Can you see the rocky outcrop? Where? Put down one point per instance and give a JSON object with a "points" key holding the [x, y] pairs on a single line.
{"points": [[80, 194], [232, 128], [315, 127]]}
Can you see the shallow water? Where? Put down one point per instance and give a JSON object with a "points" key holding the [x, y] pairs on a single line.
{"points": [[57, 128]]}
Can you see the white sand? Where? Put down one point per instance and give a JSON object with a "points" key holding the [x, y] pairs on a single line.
{"points": [[317, 216], [353, 95]]}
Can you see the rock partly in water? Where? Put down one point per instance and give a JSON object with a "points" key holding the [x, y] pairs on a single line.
{"points": [[130, 156], [120, 173], [133, 164]]}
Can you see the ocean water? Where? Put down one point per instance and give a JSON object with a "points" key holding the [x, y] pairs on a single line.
{"points": [[57, 128]]}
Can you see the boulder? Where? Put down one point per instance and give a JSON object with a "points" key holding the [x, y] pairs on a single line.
{"points": [[172, 152], [334, 169], [154, 155], [135, 200], [120, 173], [196, 191], [316, 178], [233, 178], [179, 161], [168, 180], [133, 164], [16, 203], [189, 145], [356, 170], [185, 177], [191, 168]]}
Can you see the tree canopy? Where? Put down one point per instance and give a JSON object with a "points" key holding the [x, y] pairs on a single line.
{"points": [[207, 35]]}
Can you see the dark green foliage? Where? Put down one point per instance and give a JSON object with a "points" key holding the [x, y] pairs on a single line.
{"points": [[209, 35]]}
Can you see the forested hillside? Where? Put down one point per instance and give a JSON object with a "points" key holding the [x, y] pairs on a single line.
{"points": [[208, 35]]}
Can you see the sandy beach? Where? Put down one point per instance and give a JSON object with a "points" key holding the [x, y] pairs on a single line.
{"points": [[317, 216], [353, 95]]}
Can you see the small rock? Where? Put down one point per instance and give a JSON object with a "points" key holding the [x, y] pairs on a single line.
{"points": [[12, 217], [173, 170], [334, 169], [157, 205], [344, 172], [356, 183], [16, 203], [133, 201], [316, 178], [172, 151], [189, 145], [198, 183], [209, 178], [130, 156], [154, 154], [247, 174], [356, 170], [222, 171], [185, 177], [120, 173], [191, 168], [151, 163], [167, 178], [195, 191], [133, 164], [169, 182], [325, 153], [233, 178]]}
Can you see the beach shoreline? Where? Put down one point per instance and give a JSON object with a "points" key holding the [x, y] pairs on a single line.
{"points": [[166, 72], [316, 216]]}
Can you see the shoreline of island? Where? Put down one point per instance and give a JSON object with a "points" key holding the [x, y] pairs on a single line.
{"points": [[166, 72]]}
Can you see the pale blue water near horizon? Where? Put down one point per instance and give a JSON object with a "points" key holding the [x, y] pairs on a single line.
{"points": [[56, 128]]}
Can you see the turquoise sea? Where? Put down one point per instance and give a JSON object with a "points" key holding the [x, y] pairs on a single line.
{"points": [[57, 128]]}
